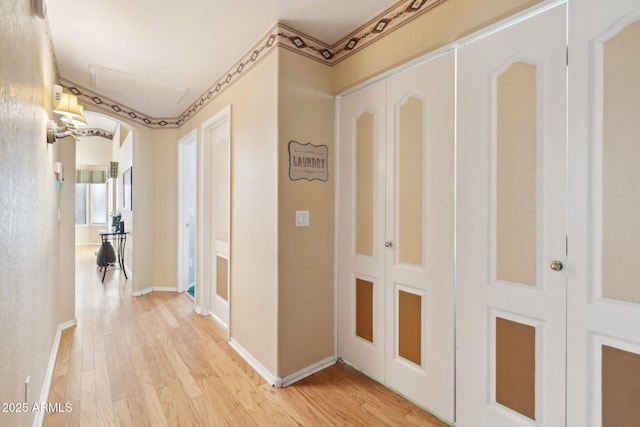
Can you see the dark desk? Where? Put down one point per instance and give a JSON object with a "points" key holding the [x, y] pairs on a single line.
{"points": [[119, 242]]}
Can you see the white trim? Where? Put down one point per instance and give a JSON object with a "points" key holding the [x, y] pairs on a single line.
{"points": [[46, 385], [183, 144], [309, 370], [277, 381], [207, 248], [153, 289], [336, 236], [219, 322], [253, 362]]}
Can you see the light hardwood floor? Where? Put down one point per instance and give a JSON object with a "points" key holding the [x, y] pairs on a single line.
{"points": [[152, 361]]}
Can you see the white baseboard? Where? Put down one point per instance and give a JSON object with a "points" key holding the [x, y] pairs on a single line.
{"points": [[152, 289], [309, 370], [277, 381], [46, 385], [219, 322], [257, 366]]}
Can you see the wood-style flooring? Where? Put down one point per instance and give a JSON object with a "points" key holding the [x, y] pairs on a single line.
{"points": [[152, 361]]}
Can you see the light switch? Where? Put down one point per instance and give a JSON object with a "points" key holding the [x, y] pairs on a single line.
{"points": [[302, 218]]}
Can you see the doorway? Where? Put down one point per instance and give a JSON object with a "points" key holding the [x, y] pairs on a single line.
{"points": [[187, 158], [214, 199]]}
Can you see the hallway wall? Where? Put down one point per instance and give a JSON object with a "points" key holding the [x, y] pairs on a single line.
{"points": [[254, 305], [36, 265]]}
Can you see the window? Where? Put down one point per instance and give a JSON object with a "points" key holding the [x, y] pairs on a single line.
{"points": [[91, 204]]}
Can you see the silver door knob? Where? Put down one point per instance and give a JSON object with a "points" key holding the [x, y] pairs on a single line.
{"points": [[388, 244], [556, 265]]}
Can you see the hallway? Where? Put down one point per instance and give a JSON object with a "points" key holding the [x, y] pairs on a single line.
{"points": [[153, 361]]}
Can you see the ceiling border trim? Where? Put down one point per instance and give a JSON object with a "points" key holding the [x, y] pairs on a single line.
{"points": [[112, 107], [385, 23], [282, 36]]}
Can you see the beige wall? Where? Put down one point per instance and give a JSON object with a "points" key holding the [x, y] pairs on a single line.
{"points": [[282, 300], [141, 241], [254, 305], [305, 254], [36, 258], [442, 25], [94, 151], [66, 236], [165, 209]]}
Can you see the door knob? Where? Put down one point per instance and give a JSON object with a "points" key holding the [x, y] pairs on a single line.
{"points": [[556, 265], [388, 244]]}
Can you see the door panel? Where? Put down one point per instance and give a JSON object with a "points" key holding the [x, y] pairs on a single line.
{"points": [[419, 224], [361, 254], [604, 297], [215, 203], [396, 233], [220, 208], [511, 220]]}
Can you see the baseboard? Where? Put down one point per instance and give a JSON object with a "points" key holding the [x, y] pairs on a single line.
{"points": [[218, 321], [46, 385], [277, 381], [309, 370], [152, 289], [253, 362]]}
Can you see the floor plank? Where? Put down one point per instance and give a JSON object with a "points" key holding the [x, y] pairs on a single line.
{"points": [[152, 361]]}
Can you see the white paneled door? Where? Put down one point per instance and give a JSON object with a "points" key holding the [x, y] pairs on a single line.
{"points": [[511, 225], [361, 264], [396, 203], [215, 191], [603, 358]]}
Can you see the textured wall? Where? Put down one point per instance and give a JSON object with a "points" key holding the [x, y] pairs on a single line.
{"points": [[305, 255], [254, 210], [29, 197]]}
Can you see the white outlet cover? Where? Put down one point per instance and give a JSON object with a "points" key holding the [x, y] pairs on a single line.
{"points": [[302, 218]]}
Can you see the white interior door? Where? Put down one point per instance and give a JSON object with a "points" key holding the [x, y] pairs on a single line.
{"points": [[419, 228], [361, 222], [216, 205], [396, 233], [511, 225], [604, 214]]}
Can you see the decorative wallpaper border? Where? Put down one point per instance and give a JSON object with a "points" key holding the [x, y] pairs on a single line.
{"points": [[279, 36], [393, 18], [97, 132], [87, 96]]}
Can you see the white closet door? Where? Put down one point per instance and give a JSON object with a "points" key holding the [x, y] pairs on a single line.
{"points": [[361, 250], [604, 214], [511, 217], [396, 198], [419, 229]]}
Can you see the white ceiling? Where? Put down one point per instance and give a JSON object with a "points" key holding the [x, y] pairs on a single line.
{"points": [[159, 56]]}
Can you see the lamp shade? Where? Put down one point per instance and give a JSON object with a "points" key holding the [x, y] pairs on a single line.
{"points": [[75, 121], [68, 106]]}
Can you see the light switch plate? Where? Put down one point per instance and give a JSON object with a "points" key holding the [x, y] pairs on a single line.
{"points": [[302, 218]]}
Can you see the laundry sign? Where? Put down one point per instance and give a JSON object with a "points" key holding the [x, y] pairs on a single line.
{"points": [[307, 161]]}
